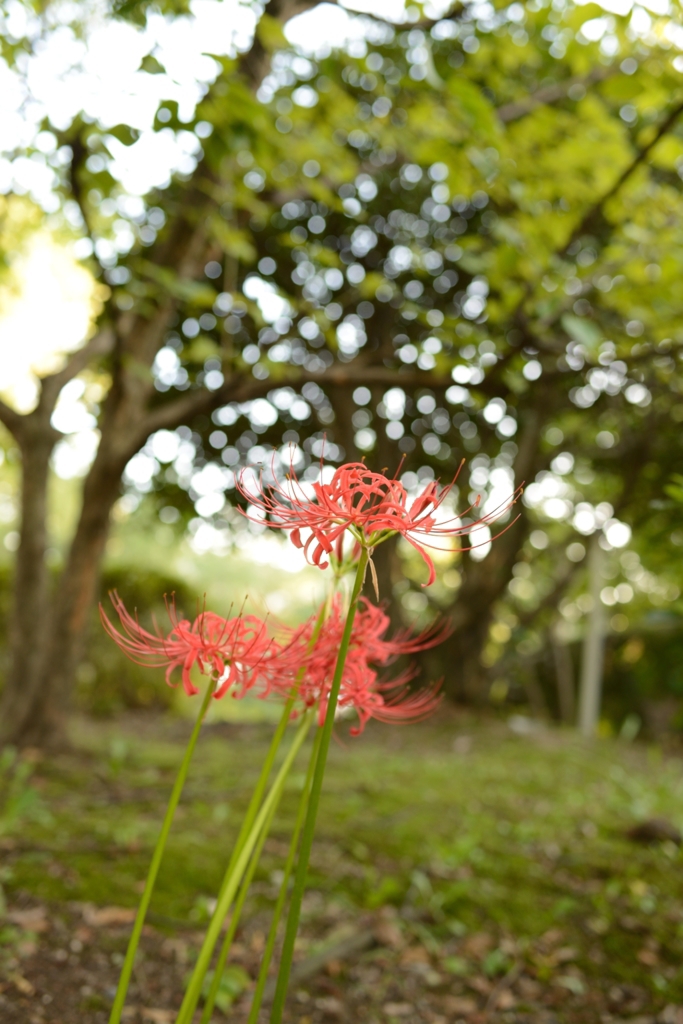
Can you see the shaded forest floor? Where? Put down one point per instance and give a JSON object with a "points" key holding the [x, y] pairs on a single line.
{"points": [[461, 873]]}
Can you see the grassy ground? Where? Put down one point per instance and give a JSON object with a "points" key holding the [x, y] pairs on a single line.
{"points": [[461, 872]]}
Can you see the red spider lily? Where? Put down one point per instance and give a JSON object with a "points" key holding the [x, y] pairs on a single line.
{"points": [[370, 505], [229, 651], [361, 688]]}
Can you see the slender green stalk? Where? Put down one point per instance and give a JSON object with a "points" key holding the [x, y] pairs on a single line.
{"points": [[314, 801], [252, 811], [227, 894], [282, 896], [260, 788], [234, 920], [127, 969]]}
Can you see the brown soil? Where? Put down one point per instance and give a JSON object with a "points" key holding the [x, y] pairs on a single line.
{"points": [[64, 965]]}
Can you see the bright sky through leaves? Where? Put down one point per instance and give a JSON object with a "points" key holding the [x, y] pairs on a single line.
{"points": [[103, 79]]}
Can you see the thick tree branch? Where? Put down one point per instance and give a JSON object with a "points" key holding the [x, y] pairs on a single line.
{"points": [[595, 214], [11, 419], [455, 13], [101, 344], [550, 94], [246, 388], [255, 63]]}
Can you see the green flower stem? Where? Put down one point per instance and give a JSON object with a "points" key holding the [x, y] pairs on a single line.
{"points": [[260, 789], [227, 894], [234, 920], [127, 969], [252, 810], [314, 801], [257, 796], [282, 896]]}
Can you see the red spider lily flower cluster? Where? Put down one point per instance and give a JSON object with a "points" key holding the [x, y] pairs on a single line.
{"points": [[362, 690], [234, 652], [370, 505], [240, 657]]}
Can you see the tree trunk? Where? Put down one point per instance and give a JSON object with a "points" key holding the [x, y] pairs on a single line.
{"points": [[593, 653], [534, 690], [71, 605], [564, 675], [123, 431], [458, 659], [30, 627]]}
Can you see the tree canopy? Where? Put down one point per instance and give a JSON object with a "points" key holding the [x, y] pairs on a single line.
{"points": [[459, 236]]}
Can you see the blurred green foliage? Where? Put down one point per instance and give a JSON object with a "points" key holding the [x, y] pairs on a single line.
{"points": [[107, 680], [19, 800]]}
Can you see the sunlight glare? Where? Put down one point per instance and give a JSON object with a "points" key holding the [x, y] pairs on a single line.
{"points": [[48, 316]]}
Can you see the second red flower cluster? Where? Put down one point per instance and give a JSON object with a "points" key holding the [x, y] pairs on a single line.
{"points": [[240, 656]]}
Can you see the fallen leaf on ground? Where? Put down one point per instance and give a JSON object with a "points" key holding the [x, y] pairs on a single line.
{"points": [[388, 934], [552, 937], [33, 920], [415, 955], [397, 1009], [100, 917], [22, 984], [459, 1004], [477, 945], [529, 988], [671, 1014], [177, 948], [328, 1004], [480, 984], [505, 1000], [158, 1016]]}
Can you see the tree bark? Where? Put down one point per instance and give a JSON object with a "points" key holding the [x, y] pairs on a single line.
{"points": [[564, 675], [484, 582], [71, 604], [593, 651], [30, 621], [459, 657]]}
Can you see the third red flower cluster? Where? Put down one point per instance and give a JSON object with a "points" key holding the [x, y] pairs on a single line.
{"points": [[239, 657]]}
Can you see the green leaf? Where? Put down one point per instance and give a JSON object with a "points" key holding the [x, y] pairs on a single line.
{"points": [[234, 242], [234, 981], [136, 11], [675, 488], [270, 34], [151, 65], [473, 104], [369, 285], [197, 292], [584, 331], [201, 349], [124, 133]]}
